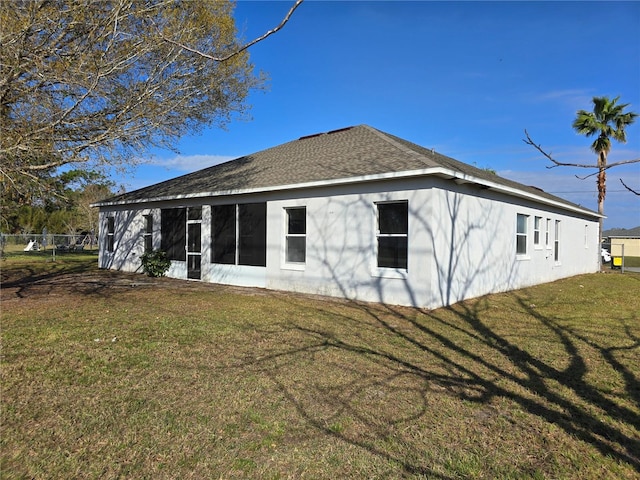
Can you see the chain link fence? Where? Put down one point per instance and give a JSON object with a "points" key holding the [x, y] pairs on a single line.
{"points": [[37, 242]]}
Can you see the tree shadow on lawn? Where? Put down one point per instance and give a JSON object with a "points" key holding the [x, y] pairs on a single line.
{"points": [[80, 275], [383, 371], [461, 353]]}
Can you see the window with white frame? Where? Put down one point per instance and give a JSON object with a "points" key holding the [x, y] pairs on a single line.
{"points": [[111, 229], [547, 233], [296, 235], [537, 221], [556, 243], [392, 234], [521, 234], [148, 233]]}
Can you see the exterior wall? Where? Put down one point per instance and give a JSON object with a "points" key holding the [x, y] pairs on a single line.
{"points": [[128, 238], [341, 245], [462, 243], [474, 237]]}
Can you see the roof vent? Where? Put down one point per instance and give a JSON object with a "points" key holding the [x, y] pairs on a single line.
{"points": [[310, 136], [325, 133], [339, 130]]}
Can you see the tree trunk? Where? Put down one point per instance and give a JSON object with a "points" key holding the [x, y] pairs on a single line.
{"points": [[602, 192]]}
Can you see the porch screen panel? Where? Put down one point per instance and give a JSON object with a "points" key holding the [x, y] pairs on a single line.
{"points": [[194, 244], [223, 233], [252, 239], [173, 231]]}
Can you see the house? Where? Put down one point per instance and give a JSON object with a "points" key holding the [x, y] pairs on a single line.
{"points": [[627, 246], [355, 213]]}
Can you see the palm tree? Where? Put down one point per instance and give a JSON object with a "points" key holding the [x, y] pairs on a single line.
{"points": [[607, 121]]}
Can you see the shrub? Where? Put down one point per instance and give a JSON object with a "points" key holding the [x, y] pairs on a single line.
{"points": [[155, 263]]}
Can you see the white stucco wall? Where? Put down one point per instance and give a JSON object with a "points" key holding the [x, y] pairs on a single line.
{"points": [[341, 246], [474, 237], [128, 240], [461, 243]]}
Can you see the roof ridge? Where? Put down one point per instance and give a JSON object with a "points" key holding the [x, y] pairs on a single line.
{"points": [[387, 137]]}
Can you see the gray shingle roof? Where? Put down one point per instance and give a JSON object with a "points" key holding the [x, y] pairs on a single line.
{"points": [[345, 153]]}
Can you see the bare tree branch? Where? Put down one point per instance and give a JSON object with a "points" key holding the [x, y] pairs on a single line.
{"points": [[586, 176], [556, 163], [529, 141], [242, 48], [629, 188]]}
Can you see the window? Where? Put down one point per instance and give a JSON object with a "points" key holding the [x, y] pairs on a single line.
{"points": [[586, 236], [111, 229], [392, 234], [148, 233], [556, 243], [536, 230], [239, 234], [547, 233], [521, 234], [296, 235], [173, 229]]}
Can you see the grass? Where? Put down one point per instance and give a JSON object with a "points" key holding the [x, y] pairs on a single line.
{"points": [[187, 380]]}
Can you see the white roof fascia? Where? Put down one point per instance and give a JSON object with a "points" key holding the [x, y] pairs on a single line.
{"points": [[516, 192], [459, 177]]}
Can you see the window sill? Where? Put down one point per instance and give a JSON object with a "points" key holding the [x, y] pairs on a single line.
{"points": [[293, 266], [382, 272], [522, 257]]}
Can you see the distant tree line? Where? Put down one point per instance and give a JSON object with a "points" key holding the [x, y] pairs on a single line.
{"points": [[68, 212]]}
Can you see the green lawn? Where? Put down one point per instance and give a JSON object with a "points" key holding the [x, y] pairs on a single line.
{"points": [[107, 377]]}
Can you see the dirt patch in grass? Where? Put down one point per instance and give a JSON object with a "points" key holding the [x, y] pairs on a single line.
{"points": [[82, 276], [111, 375]]}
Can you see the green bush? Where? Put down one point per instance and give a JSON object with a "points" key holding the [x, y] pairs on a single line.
{"points": [[155, 263]]}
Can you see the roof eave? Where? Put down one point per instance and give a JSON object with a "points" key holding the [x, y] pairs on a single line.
{"points": [[458, 177]]}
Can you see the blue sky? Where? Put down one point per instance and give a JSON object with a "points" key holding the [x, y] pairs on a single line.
{"points": [[465, 78]]}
